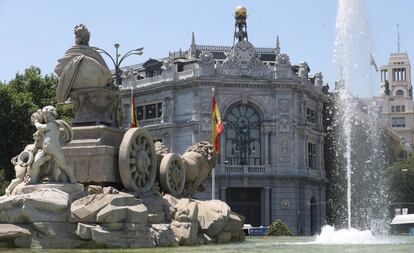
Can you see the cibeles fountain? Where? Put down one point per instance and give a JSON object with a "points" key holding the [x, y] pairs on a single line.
{"points": [[94, 184]]}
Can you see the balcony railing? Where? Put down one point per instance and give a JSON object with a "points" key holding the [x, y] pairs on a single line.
{"points": [[243, 170]]}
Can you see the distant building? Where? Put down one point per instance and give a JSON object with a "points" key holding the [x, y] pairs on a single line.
{"points": [[271, 159], [396, 96]]}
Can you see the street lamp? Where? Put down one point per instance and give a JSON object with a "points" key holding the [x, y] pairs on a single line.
{"points": [[119, 59]]}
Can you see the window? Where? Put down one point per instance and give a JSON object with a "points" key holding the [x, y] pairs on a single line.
{"points": [[311, 115], [140, 112], [150, 111], [159, 110], [399, 74], [398, 108], [398, 122], [399, 93], [384, 75], [152, 68], [242, 135], [312, 155], [180, 67]]}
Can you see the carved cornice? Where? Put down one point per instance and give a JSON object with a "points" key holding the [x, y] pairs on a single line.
{"points": [[228, 82]]}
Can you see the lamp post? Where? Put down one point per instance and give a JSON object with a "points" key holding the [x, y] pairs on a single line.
{"points": [[119, 59]]}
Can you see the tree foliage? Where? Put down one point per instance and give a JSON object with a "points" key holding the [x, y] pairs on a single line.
{"points": [[19, 98], [401, 179], [278, 228]]}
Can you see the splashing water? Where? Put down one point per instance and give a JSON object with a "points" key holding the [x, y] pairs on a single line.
{"points": [[352, 44], [330, 236]]}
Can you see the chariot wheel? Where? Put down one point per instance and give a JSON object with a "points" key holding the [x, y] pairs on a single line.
{"points": [[172, 174], [137, 160]]}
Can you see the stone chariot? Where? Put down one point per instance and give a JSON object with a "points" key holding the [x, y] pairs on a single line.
{"points": [[141, 163], [139, 166]]}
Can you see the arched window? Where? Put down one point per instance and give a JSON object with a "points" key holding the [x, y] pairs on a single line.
{"points": [[399, 93], [242, 135]]}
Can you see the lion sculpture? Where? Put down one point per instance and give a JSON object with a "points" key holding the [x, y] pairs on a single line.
{"points": [[198, 161]]}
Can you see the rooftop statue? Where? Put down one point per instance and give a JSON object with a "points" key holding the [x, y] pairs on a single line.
{"points": [[81, 67]]}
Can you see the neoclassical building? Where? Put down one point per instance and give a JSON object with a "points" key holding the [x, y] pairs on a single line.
{"points": [[271, 151]]}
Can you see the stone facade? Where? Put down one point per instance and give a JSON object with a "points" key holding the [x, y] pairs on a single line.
{"points": [[396, 97], [270, 164]]}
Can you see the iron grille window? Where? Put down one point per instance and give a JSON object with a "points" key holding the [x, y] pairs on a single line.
{"points": [[242, 136]]}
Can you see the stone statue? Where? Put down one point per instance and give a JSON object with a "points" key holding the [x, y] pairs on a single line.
{"points": [[282, 60], [48, 126], [303, 69], [198, 160], [318, 79], [81, 67], [23, 162]]}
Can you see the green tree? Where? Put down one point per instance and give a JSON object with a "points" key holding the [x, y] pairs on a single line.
{"points": [[401, 178], [19, 98], [278, 228]]}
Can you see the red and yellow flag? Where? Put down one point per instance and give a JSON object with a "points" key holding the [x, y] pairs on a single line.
{"points": [[134, 120], [217, 126]]}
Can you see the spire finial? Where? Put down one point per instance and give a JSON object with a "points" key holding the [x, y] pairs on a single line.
{"points": [[192, 39], [193, 50], [240, 28], [398, 37], [277, 50]]}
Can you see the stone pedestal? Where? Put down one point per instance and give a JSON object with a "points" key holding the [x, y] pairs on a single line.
{"points": [[93, 153], [95, 106]]}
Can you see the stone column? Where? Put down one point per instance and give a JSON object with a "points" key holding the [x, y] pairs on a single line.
{"points": [[266, 129], [267, 207]]}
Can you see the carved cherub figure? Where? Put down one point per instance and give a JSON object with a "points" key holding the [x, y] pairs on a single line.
{"points": [[23, 162], [51, 145]]}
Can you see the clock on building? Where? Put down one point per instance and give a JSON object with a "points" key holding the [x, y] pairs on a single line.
{"points": [[244, 51]]}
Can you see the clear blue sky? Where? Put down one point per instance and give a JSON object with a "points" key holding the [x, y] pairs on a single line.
{"points": [[37, 32]]}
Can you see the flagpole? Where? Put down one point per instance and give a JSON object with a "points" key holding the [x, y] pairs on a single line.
{"points": [[213, 171], [132, 104]]}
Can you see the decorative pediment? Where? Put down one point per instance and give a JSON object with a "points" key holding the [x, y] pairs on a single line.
{"points": [[243, 60]]}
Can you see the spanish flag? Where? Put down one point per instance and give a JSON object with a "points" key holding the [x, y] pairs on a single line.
{"points": [[216, 125], [134, 120]]}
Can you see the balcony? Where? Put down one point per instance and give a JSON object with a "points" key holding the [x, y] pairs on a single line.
{"points": [[267, 170], [241, 170]]}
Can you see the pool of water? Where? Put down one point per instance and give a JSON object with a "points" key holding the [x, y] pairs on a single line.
{"points": [[267, 244]]}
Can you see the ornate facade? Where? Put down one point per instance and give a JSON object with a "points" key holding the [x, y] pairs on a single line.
{"points": [[271, 151]]}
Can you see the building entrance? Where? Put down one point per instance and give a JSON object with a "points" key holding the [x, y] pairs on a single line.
{"points": [[247, 202]]}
